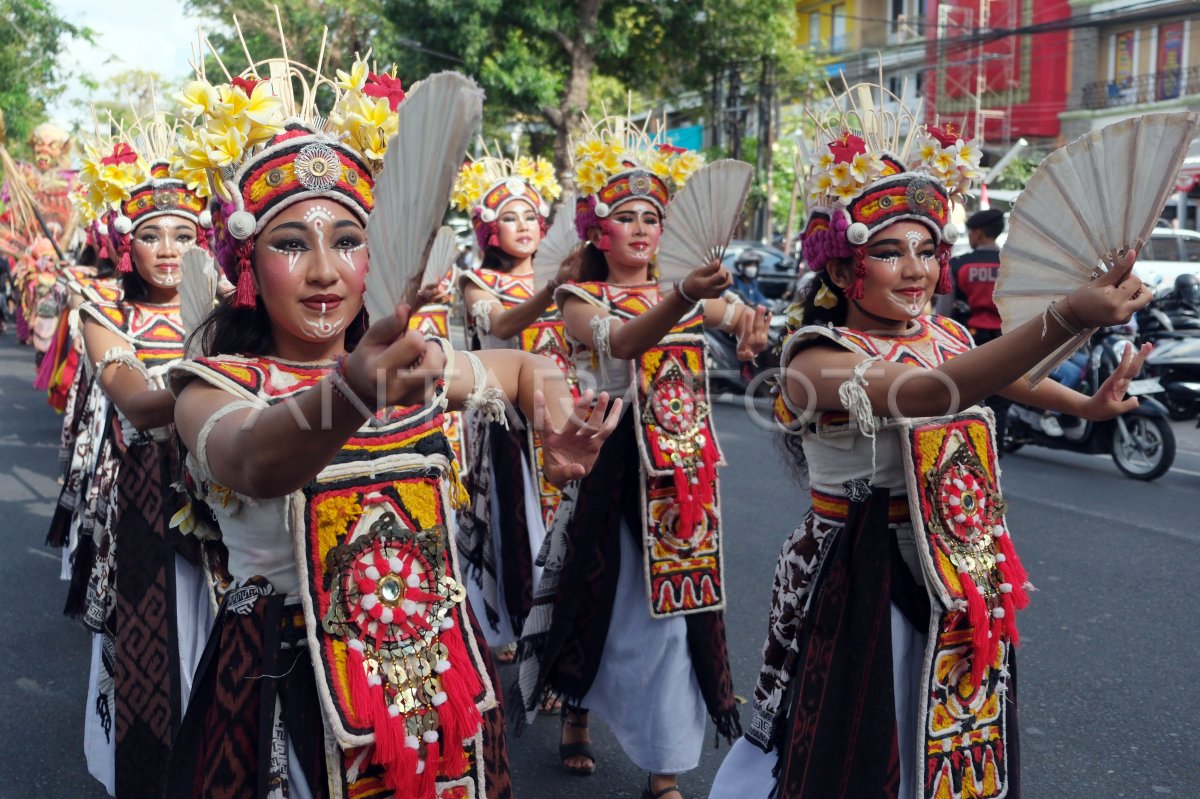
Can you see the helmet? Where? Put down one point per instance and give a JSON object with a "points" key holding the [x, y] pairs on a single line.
{"points": [[748, 260], [1187, 289]]}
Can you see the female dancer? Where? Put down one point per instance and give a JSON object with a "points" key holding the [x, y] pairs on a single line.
{"points": [[501, 532], [888, 667], [344, 661], [144, 599], [627, 620]]}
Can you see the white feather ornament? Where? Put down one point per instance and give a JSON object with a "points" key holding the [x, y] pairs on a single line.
{"points": [[702, 217], [436, 121], [197, 294], [1088, 201], [559, 242], [442, 255]]}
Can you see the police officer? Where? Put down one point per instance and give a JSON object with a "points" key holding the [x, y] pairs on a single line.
{"points": [[974, 275]]}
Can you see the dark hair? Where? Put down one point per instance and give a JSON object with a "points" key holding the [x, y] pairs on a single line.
{"points": [[133, 285], [992, 230], [590, 264], [228, 330], [497, 260], [789, 443]]}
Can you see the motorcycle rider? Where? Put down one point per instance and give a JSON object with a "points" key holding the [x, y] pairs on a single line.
{"points": [[745, 278]]}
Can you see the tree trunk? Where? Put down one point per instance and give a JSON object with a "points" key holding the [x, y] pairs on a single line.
{"points": [[568, 117]]}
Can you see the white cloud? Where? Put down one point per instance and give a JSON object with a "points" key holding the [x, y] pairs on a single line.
{"points": [[133, 34]]}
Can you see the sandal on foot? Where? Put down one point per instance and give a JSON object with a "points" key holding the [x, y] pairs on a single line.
{"points": [[571, 718], [551, 705], [647, 793]]}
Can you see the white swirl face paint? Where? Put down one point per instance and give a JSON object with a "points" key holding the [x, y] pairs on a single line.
{"points": [[323, 328]]}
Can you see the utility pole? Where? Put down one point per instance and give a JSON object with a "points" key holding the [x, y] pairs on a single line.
{"points": [[766, 145]]}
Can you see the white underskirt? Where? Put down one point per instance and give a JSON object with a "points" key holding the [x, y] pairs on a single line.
{"points": [[646, 689]]}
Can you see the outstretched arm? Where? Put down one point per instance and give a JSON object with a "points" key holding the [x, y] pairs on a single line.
{"points": [[1108, 402]]}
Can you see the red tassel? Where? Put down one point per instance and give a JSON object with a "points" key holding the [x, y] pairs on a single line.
{"points": [[856, 289], [427, 779], [460, 717], [1010, 619], [978, 616], [244, 298], [126, 263], [685, 502], [1014, 573], [605, 243], [104, 250], [360, 691]]}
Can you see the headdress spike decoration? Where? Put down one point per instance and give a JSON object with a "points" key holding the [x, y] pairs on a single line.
{"points": [[485, 185], [257, 145], [874, 167]]}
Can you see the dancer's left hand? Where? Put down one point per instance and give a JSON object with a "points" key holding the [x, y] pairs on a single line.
{"points": [[570, 452], [1110, 401], [752, 328]]}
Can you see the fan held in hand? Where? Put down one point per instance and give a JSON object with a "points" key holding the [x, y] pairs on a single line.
{"points": [[558, 243], [197, 294], [435, 123], [1088, 201], [702, 218]]}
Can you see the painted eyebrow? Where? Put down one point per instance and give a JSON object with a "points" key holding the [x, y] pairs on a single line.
{"points": [[896, 242]]}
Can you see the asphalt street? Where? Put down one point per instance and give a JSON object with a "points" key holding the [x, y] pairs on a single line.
{"points": [[1108, 664]]}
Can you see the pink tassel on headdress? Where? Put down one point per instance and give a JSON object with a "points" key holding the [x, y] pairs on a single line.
{"points": [[126, 263], [493, 239], [605, 243], [856, 289], [244, 298]]}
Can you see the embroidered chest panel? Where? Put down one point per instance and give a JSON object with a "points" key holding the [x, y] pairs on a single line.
{"points": [[381, 588], [937, 340], [155, 331]]}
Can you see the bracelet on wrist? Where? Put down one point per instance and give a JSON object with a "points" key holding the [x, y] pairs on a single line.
{"points": [[678, 286], [1057, 316], [337, 382]]}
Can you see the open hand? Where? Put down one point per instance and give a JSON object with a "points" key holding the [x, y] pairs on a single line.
{"points": [[751, 330], [393, 365], [569, 454], [707, 282], [1109, 400]]}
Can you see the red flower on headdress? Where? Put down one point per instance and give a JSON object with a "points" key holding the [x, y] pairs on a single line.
{"points": [[947, 135], [122, 154], [846, 146], [246, 84], [384, 85], [671, 149]]}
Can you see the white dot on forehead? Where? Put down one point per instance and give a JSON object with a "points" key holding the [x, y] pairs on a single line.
{"points": [[318, 213]]}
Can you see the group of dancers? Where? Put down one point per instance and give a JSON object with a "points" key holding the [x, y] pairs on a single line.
{"points": [[303, 539]]}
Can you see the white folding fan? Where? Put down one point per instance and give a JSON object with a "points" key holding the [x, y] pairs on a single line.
{"points": [[702, 217], [442, 254], [197, 294], [558, 243], [436, 121], [1100, 194]]}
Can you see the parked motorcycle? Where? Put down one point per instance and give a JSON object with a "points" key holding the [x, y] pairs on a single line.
{"points": [[1175, 363], [727, 373], [1141, 442]]}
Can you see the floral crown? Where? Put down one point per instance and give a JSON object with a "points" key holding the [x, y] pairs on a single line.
{"points": [[485, 185], [615, 162], [874, 167], [127, 179], [257, 145]]}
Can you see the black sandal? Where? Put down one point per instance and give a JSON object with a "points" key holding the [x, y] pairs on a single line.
{"points": [[579, 748], [648, 794]]}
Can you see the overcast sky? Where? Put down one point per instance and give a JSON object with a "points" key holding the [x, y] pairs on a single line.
{"points": [[131, 34]]}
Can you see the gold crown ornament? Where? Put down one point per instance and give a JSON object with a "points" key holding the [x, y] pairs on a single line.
{"points": [[616, 162], [876, 164], [257, 144], [484, 186]]}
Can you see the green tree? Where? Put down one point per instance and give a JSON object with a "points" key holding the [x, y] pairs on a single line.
{"points": [[32, 37], [130, 94]]}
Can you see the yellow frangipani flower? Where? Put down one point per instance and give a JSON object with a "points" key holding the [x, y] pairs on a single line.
{"points": [[226, 147], [198, 97], [354, 80]]}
